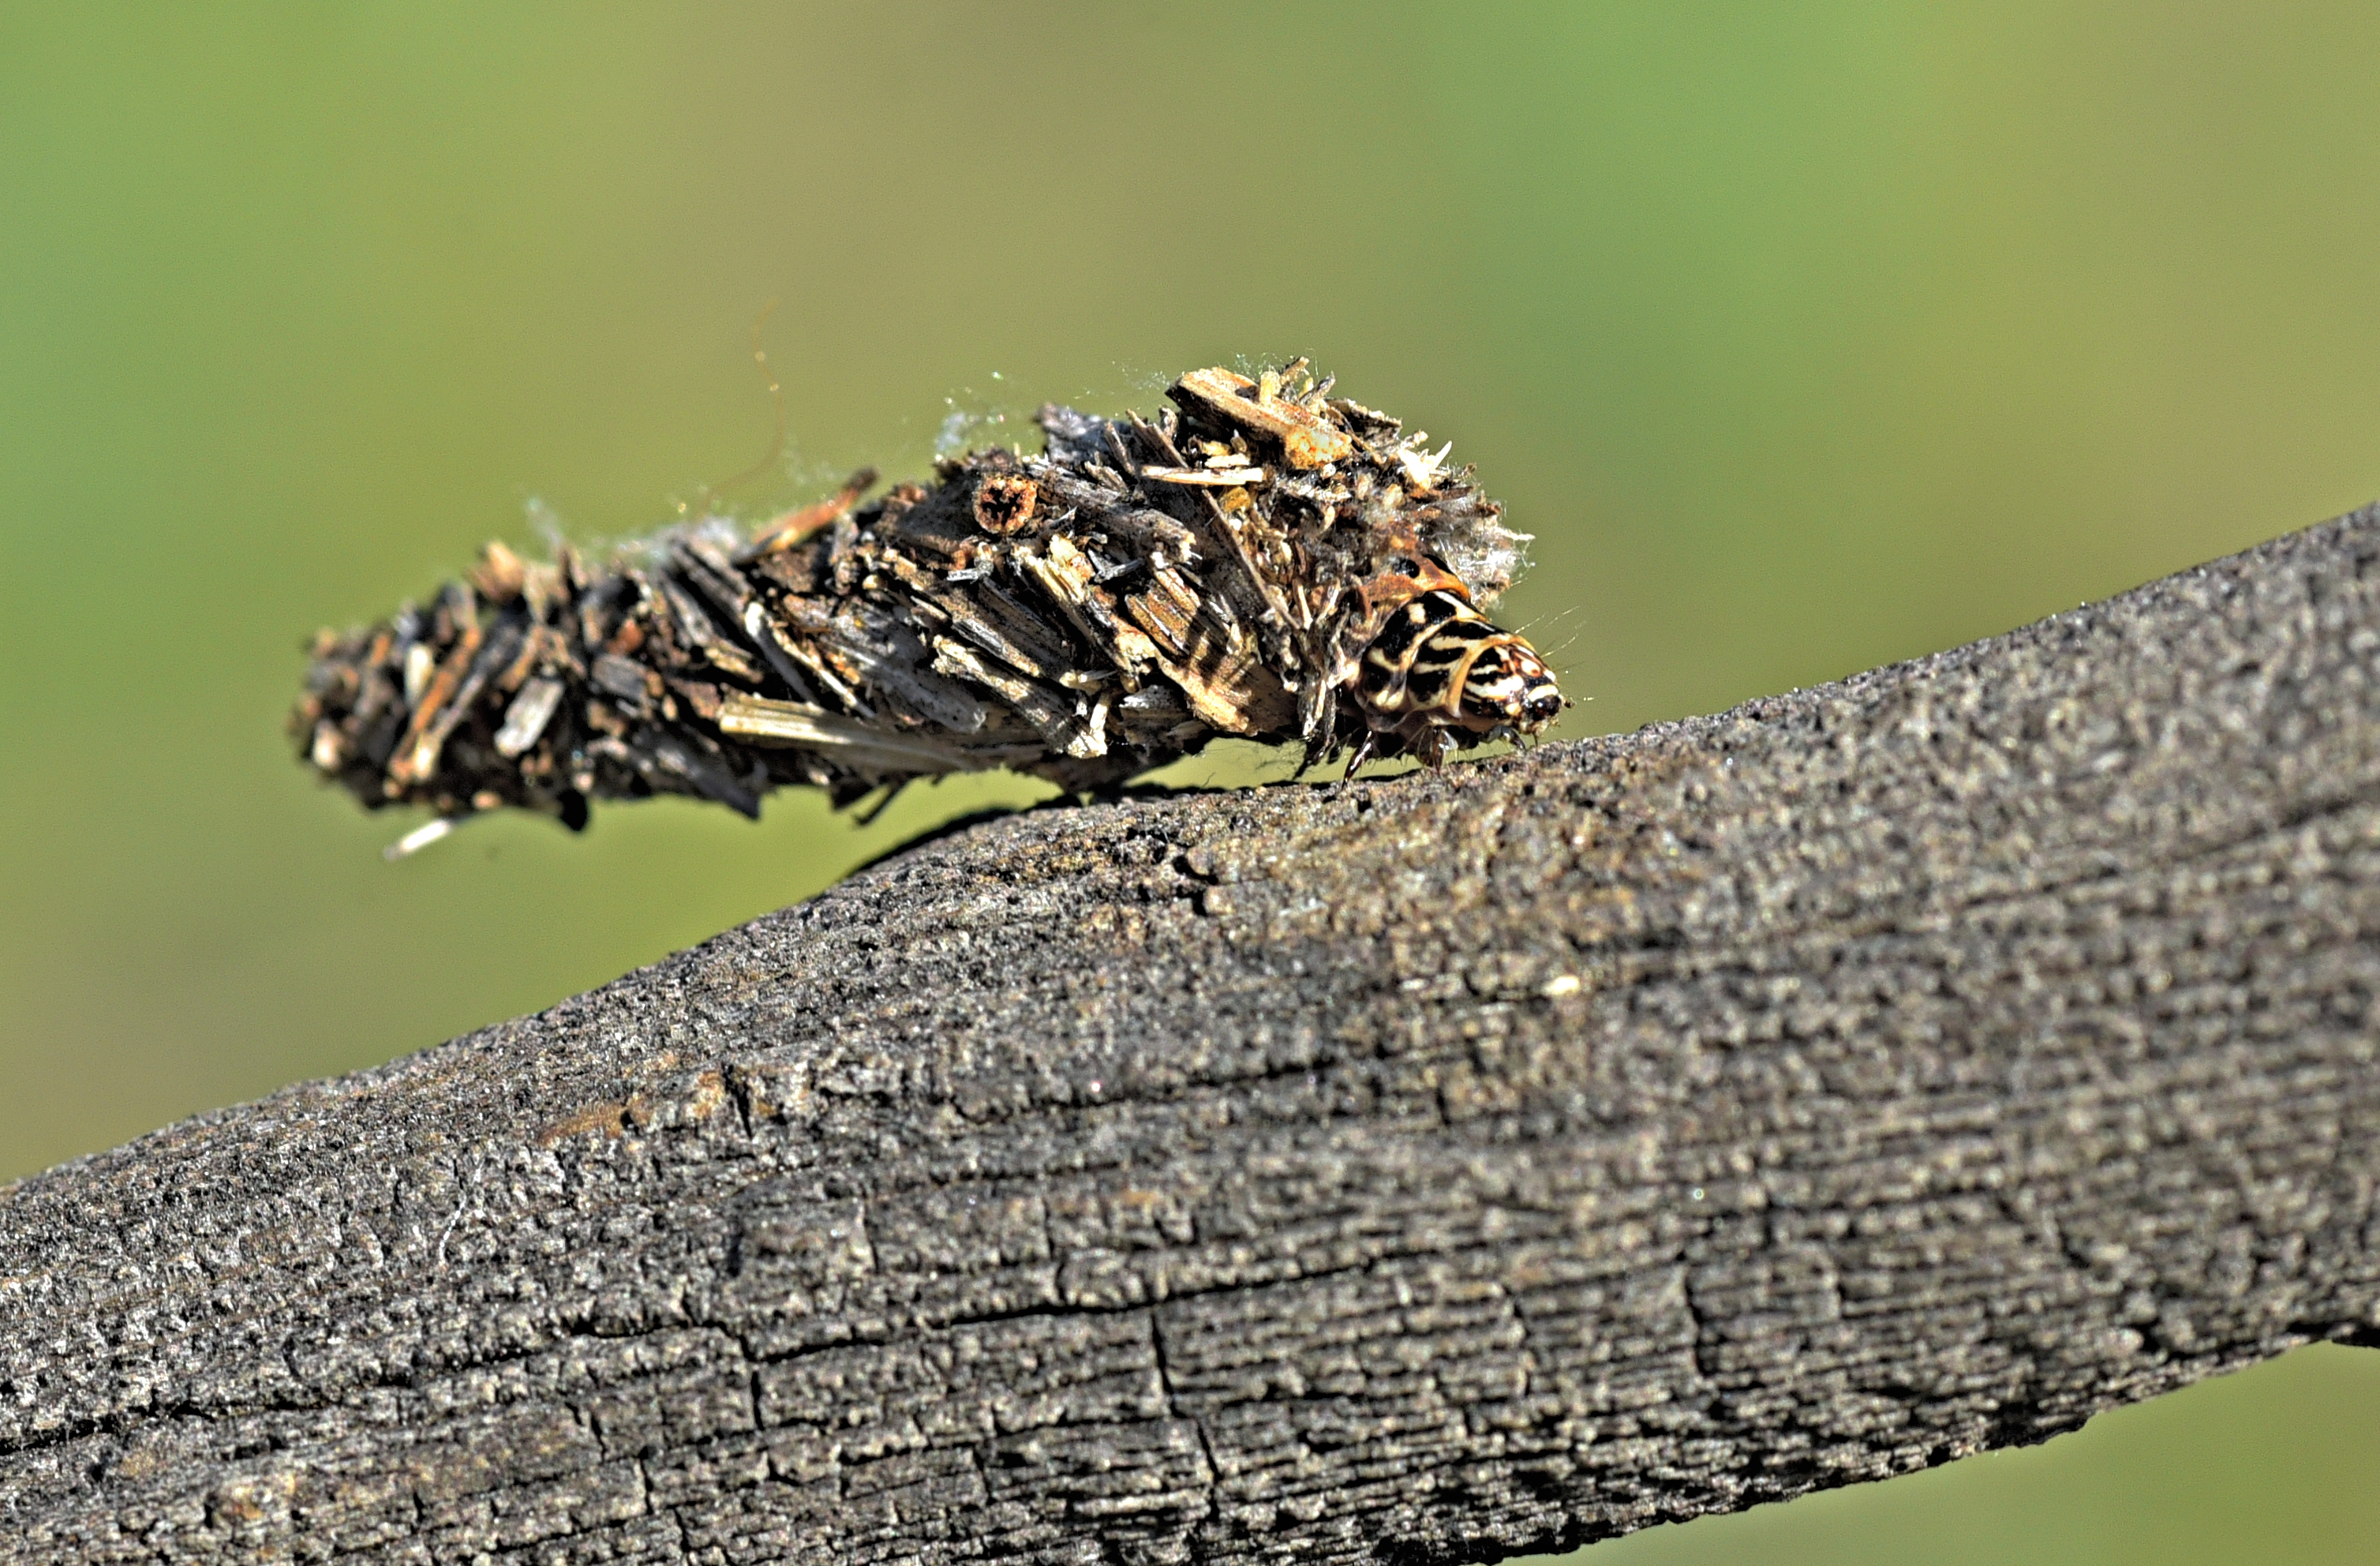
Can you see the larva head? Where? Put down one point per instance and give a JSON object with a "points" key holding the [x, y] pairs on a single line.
{"points": [[1508, 686], [1434, 668]]}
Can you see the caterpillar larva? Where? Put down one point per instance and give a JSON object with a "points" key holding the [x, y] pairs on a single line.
{"points": [[1263, 560]]}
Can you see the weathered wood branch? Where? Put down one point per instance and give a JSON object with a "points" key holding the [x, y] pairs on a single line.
{"points": [[1426, 1170]]}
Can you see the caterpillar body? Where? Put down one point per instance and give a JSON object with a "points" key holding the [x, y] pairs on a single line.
{"points": [[1261, 560]]}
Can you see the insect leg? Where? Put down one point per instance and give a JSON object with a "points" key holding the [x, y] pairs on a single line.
{"points": [[892, 792]]}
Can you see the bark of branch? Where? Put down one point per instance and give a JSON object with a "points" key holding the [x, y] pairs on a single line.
{"points": [[1427, 1170]]}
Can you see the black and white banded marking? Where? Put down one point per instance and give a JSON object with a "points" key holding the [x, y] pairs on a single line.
{"points": [[1439, 665]]}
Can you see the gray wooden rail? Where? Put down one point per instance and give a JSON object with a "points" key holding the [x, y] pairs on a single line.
{"points": [[1417, 1171]]}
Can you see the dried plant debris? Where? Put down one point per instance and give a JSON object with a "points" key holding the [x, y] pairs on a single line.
{"points": [[1263, 560]]}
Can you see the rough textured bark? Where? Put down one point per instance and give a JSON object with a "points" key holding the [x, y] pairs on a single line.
{"points": [[1426, 1170]]}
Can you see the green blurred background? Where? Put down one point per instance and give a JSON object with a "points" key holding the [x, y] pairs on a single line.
{"points": [[1804, 338]]}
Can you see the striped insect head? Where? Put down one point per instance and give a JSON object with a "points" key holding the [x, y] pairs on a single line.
{"points": [[1509, 685], [1430, 658]]}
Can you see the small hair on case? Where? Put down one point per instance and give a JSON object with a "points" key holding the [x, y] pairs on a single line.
{"points": [[1263, 560]]}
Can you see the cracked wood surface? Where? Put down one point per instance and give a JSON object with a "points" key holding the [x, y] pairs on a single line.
{"points": [[1425, 1170]]}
